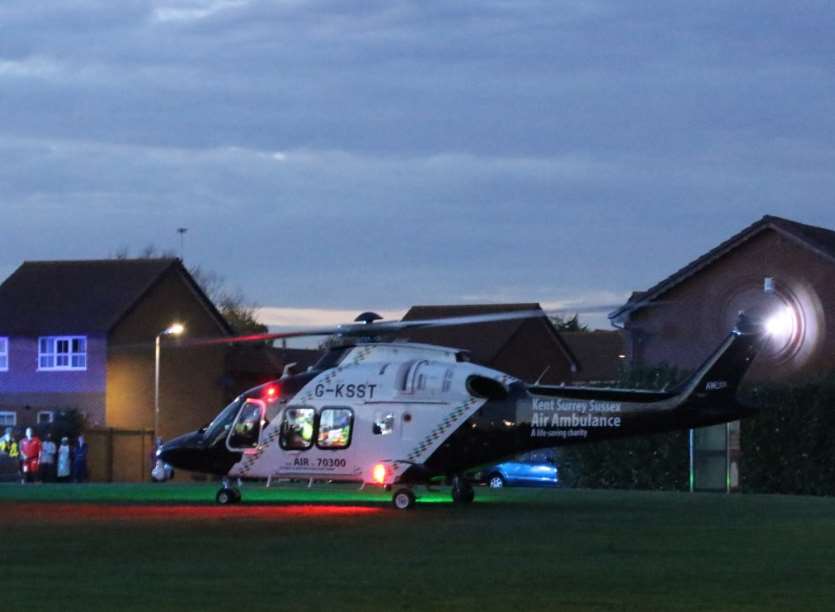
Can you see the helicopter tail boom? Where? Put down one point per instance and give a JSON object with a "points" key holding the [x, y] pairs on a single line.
{"points": [[710, 394], [561, 415]]}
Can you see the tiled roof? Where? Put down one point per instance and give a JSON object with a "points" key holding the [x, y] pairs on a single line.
{"points": [[818, 239], [484, 341], [264, 359], [43, 297], [599, 353]]}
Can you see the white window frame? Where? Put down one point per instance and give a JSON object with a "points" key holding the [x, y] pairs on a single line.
{"points": [[51, 414], [4, 414], [48, 360], [4, 354]]}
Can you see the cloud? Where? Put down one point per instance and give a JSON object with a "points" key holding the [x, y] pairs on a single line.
{"points": [[30, 67], [187, 10], [326, 154]]}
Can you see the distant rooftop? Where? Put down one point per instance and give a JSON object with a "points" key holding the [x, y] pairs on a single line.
{"points": [[86, 296]]}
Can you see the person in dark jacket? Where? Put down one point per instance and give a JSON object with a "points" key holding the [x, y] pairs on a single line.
{"points": [[79, 461]]}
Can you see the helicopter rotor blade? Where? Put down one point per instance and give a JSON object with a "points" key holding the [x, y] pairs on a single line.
{"points": [[378, 328], [382, 328]]}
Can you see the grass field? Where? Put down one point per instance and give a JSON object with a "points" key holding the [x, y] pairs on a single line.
{"points": [[167, 547]]}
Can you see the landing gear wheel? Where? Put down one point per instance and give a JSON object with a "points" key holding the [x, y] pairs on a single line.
{"points": [[403, 499], [227, 496], [495, 481], [462, 492]]}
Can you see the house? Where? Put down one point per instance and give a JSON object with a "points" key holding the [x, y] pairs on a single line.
{"points": [[774, 269], [600, 354], [80, 335], [529, 348]]}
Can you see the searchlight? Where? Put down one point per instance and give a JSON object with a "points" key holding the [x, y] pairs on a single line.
{"points": [[782, 323]]}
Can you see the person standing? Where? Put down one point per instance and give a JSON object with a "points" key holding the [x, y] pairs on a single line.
{"points": [[8, 444], [79, 462], [64, 467], [30, 450], [47, 459]]}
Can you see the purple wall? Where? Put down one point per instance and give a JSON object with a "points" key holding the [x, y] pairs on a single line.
{"points": [[23, 375], [25, 391]]}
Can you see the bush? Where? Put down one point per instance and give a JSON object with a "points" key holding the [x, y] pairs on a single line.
{"points": [[657, 462], [790, 446], [68, 422]]}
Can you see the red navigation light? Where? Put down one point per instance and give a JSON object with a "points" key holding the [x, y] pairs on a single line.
{"points": [[379, 473], [271, 392]]}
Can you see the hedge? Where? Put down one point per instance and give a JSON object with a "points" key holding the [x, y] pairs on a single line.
{"points": [[789, 447]]}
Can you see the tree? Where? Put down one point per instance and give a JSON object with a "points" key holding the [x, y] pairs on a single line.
{"points": [[231, 303], [238, 312], [569, 325]]}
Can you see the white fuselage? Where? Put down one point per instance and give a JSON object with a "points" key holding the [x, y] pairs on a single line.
{"points": [[405, 400]]}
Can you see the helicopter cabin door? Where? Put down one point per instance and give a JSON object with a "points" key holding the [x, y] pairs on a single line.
{"points": [[245, 433], [425, 387]]}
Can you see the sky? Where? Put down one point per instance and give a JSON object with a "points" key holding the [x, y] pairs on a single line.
{"points": [[329, 157]]}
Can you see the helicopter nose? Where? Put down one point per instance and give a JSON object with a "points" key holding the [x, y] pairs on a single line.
{"points": [[192, 452], [180, 452]]}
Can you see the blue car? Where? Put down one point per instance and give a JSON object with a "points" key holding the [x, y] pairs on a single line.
{"points": [[535, 469]]}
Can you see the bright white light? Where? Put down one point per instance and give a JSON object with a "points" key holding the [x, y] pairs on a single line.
{"points": [[781, 325], [176, 329]]}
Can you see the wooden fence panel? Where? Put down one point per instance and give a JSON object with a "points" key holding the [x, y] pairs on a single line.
{"points": [[119, 455]]}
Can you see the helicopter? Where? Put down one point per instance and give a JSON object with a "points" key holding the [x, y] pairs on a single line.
{"points": [[401, 415]]}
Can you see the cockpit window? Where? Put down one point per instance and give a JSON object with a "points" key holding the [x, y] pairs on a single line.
{"points": [[222, 422], [297, 428], [246, 430]]}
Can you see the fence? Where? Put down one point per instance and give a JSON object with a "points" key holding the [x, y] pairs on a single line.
{"points": [[119, 455]]}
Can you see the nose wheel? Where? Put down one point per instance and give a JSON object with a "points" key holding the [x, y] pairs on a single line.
{"points": [[228, 495]]}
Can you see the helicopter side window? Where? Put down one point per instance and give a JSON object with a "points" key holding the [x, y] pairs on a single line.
{"points": [[246, 430], [297, 428], [383, 423], [335, 425]]}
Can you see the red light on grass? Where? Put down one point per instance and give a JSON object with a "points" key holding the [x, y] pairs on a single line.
{"points": [[379, 473], [74, 513]]}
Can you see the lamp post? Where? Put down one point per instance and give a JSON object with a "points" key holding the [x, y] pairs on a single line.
{"points": [[174, 329]]}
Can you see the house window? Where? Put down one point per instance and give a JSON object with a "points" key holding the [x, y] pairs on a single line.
{"points": [[8, 419], [4, 354], [45, 417], [62, 353]]}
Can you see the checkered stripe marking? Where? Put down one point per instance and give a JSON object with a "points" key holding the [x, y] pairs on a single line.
{"points": [[308, 395], [361, 354], [438, 433], [249, 460]]}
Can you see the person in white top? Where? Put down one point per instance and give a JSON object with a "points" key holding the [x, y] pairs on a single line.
{"points": [[47, 459], [64, 460]]}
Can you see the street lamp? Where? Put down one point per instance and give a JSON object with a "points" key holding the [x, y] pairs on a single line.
{"points": [[175, 329]]}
